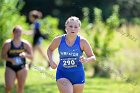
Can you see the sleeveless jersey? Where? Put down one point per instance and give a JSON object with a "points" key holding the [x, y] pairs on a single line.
{"points": [[70, 55], [14, 54]]}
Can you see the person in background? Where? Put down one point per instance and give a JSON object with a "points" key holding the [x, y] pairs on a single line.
{"points": [[14, 52], [38, 37], [70, 74]]}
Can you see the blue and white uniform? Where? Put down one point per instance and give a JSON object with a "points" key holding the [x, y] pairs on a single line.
{"points": [[70, 66]]}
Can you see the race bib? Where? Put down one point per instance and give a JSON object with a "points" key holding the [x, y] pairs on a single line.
{"points": [[69, 62], [18, 60]]}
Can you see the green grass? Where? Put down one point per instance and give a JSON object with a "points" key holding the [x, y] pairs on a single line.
{"points": [[37, 82]]}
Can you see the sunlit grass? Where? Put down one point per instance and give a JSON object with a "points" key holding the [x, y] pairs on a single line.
{"points": [[38, 82]]}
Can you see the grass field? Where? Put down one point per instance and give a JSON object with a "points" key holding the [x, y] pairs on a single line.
{"points": [[43, 81]]}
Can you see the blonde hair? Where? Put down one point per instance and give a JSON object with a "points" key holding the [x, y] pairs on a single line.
{"points": [[73, 18]]}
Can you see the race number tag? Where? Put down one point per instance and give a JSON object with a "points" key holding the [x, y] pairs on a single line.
{"points": [[18, 60], [69, 62]]}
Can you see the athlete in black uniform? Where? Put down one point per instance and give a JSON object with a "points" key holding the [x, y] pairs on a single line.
{"points": [[14, 52], [38, 37]]}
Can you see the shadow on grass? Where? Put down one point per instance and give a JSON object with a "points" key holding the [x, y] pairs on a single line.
{"points": [[41, 88], [35, 88], [1, 88]]}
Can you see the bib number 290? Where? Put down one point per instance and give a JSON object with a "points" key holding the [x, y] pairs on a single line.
{"points": [[68, 62]]}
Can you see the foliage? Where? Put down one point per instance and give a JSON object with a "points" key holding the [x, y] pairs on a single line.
{"points": [[135, 21], [49, 25], [62, 9], [9, 17], [129, 8], [100, 35]]}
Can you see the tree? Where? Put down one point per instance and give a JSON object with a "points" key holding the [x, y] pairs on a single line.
{"points": [[100, 35], [9, 17]]}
